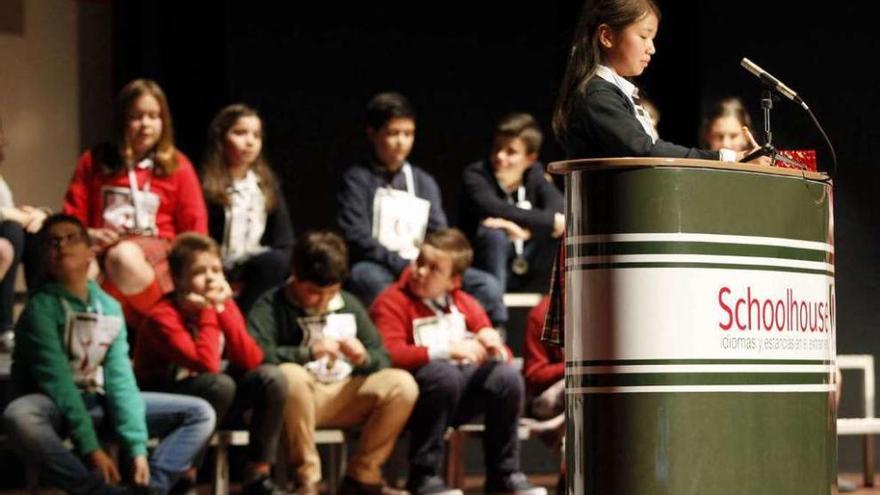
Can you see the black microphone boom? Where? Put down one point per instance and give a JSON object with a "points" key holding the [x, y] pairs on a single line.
{"points": [[774, 84]]}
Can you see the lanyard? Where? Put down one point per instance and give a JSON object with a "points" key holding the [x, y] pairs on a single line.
{"points": [[410, 182], [518, 244], [68, 310], [408, 178], [135, 196]]}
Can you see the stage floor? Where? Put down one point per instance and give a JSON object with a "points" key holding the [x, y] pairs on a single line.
{"points": [[474, 485]]}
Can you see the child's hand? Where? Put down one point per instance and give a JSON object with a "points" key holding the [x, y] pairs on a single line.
{"points": [[558, 225], [35, 219], [140, 471], [103, 237], [194, 301], [325, 347], [218, 293], [353, 350], [105, 466], [491, 340], [468, 350], [513, 231], [753, 146]]}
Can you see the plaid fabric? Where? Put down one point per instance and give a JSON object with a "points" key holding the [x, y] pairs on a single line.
{"points": [[156, 251], [554, 322]]}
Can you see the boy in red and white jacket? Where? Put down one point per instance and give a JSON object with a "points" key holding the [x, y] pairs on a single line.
{"points": [[444, 338], [180, 347]]}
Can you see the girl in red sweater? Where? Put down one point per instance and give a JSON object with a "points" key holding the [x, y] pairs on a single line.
{"points": [[135, 195]]}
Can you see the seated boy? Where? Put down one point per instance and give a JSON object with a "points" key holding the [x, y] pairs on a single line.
{"points": [[335, 365], [509, 209], [386, 205], [72, 376], [443, 337], [180, 346], [544, 370]]}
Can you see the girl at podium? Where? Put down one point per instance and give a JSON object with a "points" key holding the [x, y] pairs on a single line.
{"points": [[599, 113]]}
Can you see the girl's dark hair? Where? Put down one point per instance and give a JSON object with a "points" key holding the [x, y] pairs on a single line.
{"points": [[320, 257], [725, 107], [584, 55], [112, 160], [386, 106], [216, 180]]}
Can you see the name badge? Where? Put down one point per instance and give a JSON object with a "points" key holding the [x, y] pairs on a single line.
{"points": [[400, 221], [436, 332], [120, 213], [88, 337]]}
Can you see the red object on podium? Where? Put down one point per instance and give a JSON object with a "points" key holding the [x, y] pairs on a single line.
{"points": [[807, 158]]}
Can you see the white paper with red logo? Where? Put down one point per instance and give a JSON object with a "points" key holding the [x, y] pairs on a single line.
{"points": [[332, 326]]}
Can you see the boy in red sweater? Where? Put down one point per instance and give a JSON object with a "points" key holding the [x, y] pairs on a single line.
{"points": [[179, 350], [444, 338]]}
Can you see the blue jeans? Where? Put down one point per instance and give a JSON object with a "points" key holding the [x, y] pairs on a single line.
{"points": [[36, 425], [494, 252], [368, 279]]}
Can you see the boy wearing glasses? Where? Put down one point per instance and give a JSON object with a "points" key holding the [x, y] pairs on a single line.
{"points": [[71, 376]]}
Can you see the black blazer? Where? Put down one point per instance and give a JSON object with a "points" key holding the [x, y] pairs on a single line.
{"points": [[603, 124], [279, 230], [481, 197]]}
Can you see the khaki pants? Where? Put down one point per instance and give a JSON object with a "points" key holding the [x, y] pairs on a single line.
{"points": [[381, 402]]}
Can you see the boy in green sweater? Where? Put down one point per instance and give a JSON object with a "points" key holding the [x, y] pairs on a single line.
{"points": [[72, 376], [336, 366]]}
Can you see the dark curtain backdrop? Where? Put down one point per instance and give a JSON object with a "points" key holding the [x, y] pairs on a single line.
{"points": [[310, 71]]}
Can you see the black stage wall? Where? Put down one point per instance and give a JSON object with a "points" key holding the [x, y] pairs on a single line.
{"points": [[464, 64]]}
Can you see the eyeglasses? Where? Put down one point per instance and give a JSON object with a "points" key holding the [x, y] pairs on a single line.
{"points": [[61, 240]]}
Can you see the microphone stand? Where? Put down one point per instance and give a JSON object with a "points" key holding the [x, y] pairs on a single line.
{"points": [[768, 149]]}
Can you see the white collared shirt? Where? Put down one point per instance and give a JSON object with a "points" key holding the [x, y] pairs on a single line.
{"points": [[631, 92], [245, 219]]}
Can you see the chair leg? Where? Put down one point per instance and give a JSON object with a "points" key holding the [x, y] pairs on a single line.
{"points": [[220, 484], [32, 478], [454, 460], [868, 446], [281, 464], [335, 466]]}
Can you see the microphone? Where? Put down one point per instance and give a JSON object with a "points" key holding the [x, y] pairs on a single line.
{"points": [[771, 81]]}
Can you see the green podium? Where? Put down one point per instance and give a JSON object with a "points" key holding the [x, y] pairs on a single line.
{"points": [[699, 328]]}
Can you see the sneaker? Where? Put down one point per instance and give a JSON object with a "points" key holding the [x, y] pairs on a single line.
{"points": [[263, 485], [846, 486], [7, 341], [431, 485], [512, 484], [351, 486]]}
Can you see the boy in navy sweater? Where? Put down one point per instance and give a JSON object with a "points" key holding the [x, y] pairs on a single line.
{"points": [[386, 205]]}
